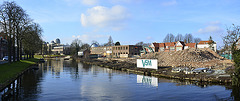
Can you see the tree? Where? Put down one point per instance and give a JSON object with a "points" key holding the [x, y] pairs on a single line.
{"points": [[211, 42], [75, 46], [32, 41], [230, 40], [197, 40], [169, 38], [188, 38], [143, 44], [110, 42], [179, 37], [85, 46], [117, 43], [95, 42]]}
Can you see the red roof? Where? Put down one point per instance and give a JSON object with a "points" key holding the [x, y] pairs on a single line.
{"points": [[192, 45], [156, 44], [204, 42], [161, 44], [170, 44]]}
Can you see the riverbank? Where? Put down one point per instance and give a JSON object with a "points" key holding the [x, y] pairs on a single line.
{"points": [[161, 72], [9, 72]]}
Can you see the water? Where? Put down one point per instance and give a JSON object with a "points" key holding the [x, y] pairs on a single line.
{"points": [[57, 80]]}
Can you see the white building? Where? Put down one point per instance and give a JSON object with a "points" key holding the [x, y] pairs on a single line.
{"points": [[205, 44]]}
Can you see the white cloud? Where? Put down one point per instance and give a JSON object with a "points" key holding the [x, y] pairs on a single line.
{"points": [[169, 3], [101, 16], [89, 2], [211, 28]]}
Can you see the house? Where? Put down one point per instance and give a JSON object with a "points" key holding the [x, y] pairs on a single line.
{"points": [[161, 47], [180, 45], [169, 46], [205, 44], [154, 46], [172, 46], [190, 45]]}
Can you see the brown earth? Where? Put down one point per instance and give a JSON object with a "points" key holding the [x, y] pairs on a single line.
{"points": [[191, 58]]}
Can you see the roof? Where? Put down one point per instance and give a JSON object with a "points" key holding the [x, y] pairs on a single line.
{"points": [[161, 45], [170, 44], [203, 42], [156, 44], [191, 44]]}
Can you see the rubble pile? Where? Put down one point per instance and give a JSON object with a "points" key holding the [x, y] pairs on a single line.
{"points": [[189, 57]]}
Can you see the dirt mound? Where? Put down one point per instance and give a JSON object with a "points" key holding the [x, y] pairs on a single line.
{"points": [[188, 57]]}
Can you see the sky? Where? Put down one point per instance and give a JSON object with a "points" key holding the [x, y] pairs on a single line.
{"points": [[131, 21]]}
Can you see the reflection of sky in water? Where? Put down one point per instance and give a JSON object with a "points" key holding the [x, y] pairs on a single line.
{"points": [[69, 80]]}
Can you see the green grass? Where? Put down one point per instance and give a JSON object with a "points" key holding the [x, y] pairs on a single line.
{"points": [[9, 71], [47, 56]]}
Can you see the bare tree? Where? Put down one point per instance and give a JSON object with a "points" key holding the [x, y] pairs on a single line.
{"points": [[179, 37], [188, 38], [169, 38], [231, 40], [197, 40], [75, 46]]}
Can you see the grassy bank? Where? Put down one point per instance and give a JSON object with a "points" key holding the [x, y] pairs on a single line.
{"points": [[9, 71], [47, 56]]}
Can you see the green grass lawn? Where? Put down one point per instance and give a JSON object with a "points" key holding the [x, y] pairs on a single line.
{"points": [[47, 56], [9, 71]]}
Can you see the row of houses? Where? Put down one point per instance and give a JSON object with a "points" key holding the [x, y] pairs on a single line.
{"points": [[179, 45], [132, 50]]}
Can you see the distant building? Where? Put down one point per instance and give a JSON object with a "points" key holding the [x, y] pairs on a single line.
{"points": [[55, 47], [126, 50], [117, 51], [190, 45], [171, 46], [205, 44]]}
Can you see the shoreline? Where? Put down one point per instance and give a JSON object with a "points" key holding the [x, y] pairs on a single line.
{"points": [[164, 72], [12, 79]]}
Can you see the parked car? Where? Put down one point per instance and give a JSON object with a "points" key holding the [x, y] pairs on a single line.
{"points": [[5, 58]]}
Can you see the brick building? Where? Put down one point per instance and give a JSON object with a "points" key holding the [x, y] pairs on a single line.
{"points": [[117, 51]]}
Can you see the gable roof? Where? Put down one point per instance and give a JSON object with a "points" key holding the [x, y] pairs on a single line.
{"points": [[181, 42], [193, 45], [204, 42], [155, 44], [161, 44], [170, 43]]}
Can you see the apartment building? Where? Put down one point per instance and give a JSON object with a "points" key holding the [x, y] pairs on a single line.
{"points": [[117, 51]]}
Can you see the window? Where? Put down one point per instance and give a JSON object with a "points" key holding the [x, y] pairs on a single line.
{"points": [[161, 48], [172, 48], [126, 48]]}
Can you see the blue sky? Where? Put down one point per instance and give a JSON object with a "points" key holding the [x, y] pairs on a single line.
{"points": [[131, 21]]}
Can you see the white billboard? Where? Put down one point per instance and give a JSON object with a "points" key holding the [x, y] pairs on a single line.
{"points": [[153, 81], [147, 63]]}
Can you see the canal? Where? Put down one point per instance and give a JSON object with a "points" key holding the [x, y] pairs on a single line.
{"points": [[57, 80]]}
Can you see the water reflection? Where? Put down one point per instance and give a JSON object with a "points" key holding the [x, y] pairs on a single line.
{"points": [[72, 80], [153, 81]]}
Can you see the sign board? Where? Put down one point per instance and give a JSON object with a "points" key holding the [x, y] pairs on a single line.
{"points": [[153, 81], [147, 63]]}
